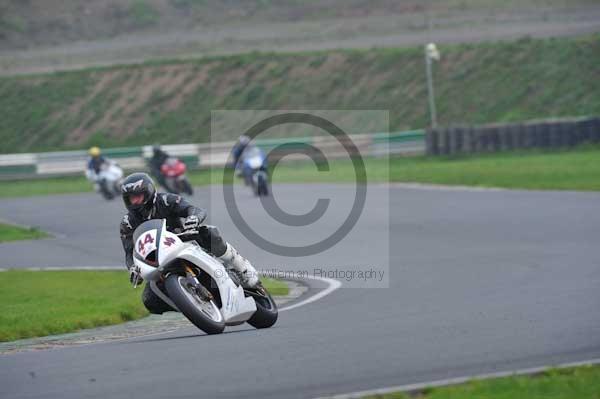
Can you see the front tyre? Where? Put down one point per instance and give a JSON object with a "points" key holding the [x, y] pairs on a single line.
{"points": [[187, 187], [203, 314], [263, 186], [266, 310], [104, 190]]}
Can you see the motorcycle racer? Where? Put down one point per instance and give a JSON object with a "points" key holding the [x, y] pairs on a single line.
{"points": [[158, 159], [144, 203], [104, 173], [94, 164], [237, 151]]}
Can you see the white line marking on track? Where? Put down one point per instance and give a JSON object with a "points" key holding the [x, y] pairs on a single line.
{"points": [[333, 285], [455, 381]]}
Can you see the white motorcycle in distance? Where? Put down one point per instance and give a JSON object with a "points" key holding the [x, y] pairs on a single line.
{"points": [[254, 170], [195, 283], [108, 181]]}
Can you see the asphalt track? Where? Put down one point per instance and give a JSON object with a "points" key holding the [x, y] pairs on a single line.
{"points": [[479, 282]]}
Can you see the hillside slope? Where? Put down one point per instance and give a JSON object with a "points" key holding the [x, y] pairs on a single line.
{"points": [[171, 102]]}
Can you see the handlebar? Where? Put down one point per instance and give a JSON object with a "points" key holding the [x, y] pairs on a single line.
{"points": [[188, 233]]}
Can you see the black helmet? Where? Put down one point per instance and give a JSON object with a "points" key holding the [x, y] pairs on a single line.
{"points": [[135, 185]]}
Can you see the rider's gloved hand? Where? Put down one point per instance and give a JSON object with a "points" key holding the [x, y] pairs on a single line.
{"points": [[135, 277], [191, 222]]}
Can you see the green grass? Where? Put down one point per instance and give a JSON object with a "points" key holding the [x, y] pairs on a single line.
{"points": [[557, 170], [579, 383], [30, 188], [560, 170], [42, 303], [16, 233], [565, 170], [39, 303], [475, 83], [275, 287]]}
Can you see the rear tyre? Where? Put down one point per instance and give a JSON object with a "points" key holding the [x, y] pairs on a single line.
{"points": [[266, 311], [203, 314]]}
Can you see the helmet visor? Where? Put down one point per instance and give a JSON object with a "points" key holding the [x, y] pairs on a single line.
{"points": [[136, 199]]}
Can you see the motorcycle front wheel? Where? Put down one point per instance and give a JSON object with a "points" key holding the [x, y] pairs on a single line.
{"points": [[262, 186], [187, 187], [203, 314], [105, 191]]}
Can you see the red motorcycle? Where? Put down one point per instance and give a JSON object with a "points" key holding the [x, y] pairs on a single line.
{"points": [[176, 181]]}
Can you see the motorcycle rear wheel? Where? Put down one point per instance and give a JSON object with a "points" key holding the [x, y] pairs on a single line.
{"points": [[266, 311]]}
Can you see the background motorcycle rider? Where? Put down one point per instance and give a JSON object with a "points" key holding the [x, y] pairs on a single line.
{"points": [[104, 173], [237, 151], [95, 162], [144, 203], [158, 159]]}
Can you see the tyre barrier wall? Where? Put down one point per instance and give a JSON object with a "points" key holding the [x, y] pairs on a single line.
{"points": [[493, 138], [199, 156]]}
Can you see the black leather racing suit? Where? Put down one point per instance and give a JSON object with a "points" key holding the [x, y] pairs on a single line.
{"points": [[158, 159], [173, 208]]}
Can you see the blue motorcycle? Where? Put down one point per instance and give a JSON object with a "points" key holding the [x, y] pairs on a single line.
{"points": [[254, 170]]}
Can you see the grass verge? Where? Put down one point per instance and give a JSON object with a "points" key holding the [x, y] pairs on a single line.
{"points": [[557, 170], [15, 233], [58, 185], [39, 303], [275, 287], [578, 382]]}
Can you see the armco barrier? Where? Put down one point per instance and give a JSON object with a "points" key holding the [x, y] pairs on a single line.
{"points": [[493, 138], [64, 163]]}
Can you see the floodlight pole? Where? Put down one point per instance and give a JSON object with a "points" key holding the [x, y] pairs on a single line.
{"points": [[431, 93]]}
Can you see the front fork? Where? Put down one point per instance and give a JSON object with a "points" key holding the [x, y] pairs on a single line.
{"points": [[192, 280]]}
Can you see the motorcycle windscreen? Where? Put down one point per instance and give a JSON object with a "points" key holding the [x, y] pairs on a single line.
{"points": [[252, 152], [255, 162], [145, 240]]}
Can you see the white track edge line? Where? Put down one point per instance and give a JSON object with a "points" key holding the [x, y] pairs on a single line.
{"points": [[332, 286], [457, 380]]}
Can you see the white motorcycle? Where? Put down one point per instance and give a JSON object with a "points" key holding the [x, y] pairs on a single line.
{"points": [[254, 169], [108, 180], [195, 283]]}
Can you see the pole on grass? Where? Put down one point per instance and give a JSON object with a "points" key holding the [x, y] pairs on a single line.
{"points": [[431, 53]]}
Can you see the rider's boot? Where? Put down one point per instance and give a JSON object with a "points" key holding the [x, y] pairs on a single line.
{"points": [[248, 274]]}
